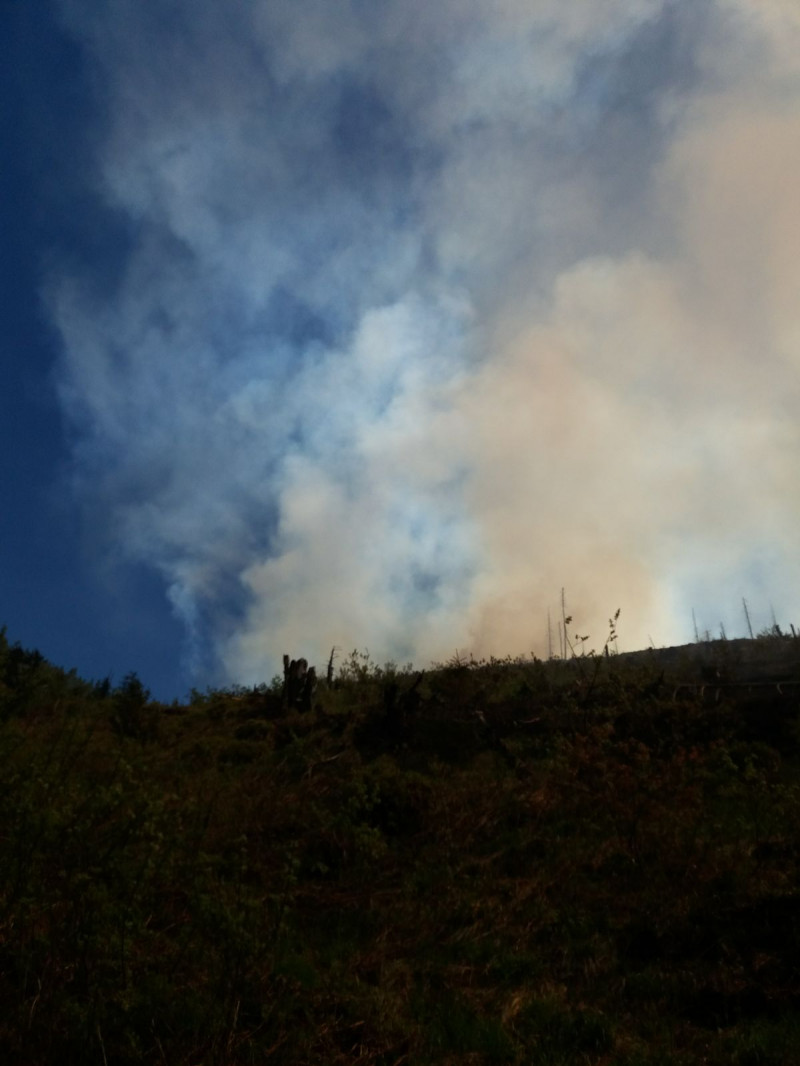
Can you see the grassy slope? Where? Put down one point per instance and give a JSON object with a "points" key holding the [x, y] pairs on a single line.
{"points": [[502, 862]]}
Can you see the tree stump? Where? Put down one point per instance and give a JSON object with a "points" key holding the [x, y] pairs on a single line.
{"points": [[299, 682]]}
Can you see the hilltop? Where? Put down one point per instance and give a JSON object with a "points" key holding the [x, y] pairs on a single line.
{"points": [[592, 862], [771, 657]]}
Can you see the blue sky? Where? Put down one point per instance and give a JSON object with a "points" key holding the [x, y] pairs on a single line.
{"points": [[374, 325]]}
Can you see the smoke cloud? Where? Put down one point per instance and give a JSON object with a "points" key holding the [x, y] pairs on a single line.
{"points": [[421, 312]]}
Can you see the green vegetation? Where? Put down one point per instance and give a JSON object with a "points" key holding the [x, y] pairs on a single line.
{"points": [[498, 862]]}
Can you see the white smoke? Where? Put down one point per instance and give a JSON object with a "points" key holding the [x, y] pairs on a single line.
{"points": [[427, 311]]}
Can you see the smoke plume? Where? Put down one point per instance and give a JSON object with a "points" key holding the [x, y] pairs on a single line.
{"points": [[418, 313]]}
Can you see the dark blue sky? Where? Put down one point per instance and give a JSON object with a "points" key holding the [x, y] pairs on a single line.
{"points": [[52, 593]]}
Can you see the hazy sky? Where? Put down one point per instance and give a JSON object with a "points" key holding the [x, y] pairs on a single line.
{"points": [[373, 323]]}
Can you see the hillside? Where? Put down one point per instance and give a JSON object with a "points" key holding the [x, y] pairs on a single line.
{"points": [[584, 862]]}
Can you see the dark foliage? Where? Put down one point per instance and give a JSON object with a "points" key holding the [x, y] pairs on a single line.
{"points": [[587, 862]]}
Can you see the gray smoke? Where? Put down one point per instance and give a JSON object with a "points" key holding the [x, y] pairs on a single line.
{"points": [[425, 311]]}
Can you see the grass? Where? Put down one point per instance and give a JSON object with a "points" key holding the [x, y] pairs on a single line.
{"points": [[500, 862]]}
